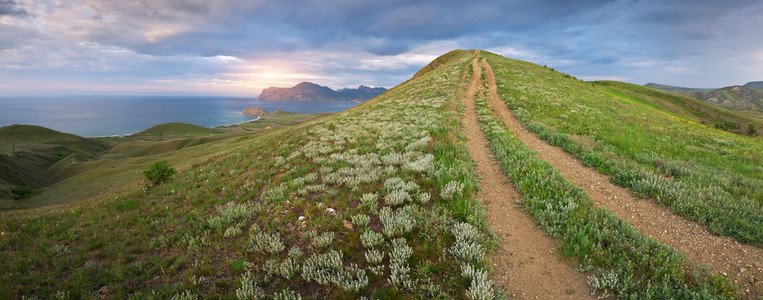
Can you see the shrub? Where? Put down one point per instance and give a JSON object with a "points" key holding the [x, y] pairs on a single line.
{"points": [[159, 172]]}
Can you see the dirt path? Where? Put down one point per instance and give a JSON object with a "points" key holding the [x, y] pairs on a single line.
{"points": [[743, 263], [525, 265]]}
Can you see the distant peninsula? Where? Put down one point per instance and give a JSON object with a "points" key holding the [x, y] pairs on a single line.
{"points": [[255, 112], [311, 92]]}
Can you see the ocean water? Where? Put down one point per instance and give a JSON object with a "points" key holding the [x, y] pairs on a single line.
{"points": [[94, 116]]}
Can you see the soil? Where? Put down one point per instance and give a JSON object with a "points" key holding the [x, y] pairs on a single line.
{"points": [[525, 263], [723, 255]]}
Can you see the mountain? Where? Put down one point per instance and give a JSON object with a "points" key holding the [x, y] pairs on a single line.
{"points": [[744, 99], [754, 84], [362, 93], [311, 92], [740, 98], [671, 88]]}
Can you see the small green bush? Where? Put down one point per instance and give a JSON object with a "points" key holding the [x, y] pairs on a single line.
{"points": [[159, 172]]}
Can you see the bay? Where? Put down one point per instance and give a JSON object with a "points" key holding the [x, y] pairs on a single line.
{"points": [[95, 116]]}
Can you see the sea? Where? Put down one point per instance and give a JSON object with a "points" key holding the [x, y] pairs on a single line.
{"points": [[98, 116]]}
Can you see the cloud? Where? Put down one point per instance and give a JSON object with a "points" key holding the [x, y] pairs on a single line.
{"points": [[341, 42], [10, 8]]}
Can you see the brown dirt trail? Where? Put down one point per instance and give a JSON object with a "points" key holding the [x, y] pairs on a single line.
{"points": [[525, 265], [742, 263]]}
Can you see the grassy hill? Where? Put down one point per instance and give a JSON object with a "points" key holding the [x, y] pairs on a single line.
{"points": [[688, 107], [26, 153], [378, 201], [173, 130], [747, 99], [743, 99], [279, 198], [700, 172]]}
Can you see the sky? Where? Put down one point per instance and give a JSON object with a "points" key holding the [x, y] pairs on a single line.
{"points": [[239, 47]]}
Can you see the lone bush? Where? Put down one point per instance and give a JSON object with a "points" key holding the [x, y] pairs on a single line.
{"points": [[159, 172]]}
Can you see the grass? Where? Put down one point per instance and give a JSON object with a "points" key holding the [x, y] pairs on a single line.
{"points": [[686, 107], [298, 210], [174, 130], [68, 178], [624, 262], [705, 174]]}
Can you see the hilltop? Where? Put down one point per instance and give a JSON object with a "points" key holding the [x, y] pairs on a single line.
{"points": [[175, 129], [594, 188], [310, 92]]}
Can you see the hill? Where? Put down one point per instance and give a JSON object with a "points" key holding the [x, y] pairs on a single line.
{"points": [[380, 201], [173, 130], [754, 85], [671, 88], [310, 92], [686, 106], [745, 99], [255, 112], [28, 151]]}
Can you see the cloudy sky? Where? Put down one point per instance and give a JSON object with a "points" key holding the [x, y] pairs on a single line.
{"points": [[239, 47]]}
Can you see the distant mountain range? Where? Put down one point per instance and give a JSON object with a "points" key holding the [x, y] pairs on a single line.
{"points": [[746, 99], [311, 92]]}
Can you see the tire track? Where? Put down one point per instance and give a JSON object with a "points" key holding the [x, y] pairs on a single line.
{"points": [[524, 264]]}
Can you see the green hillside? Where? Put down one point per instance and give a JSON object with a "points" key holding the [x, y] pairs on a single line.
{"points": [[26, 153], [746, 100], [235, 205], [705, 174], [32, 137], [688, 107], [175, 129], [378, 202]]}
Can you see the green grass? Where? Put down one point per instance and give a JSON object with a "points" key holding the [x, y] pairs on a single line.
{"points": [[625, 262], [228, 224], [27, 152], [686, 107], [174, 130], [707, 175]]}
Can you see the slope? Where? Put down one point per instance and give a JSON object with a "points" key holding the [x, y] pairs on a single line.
{"points": [[174, 129], [684, 106], [705, 174], [376, 202], [720, 254], [26, 153], [748, 101]]}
